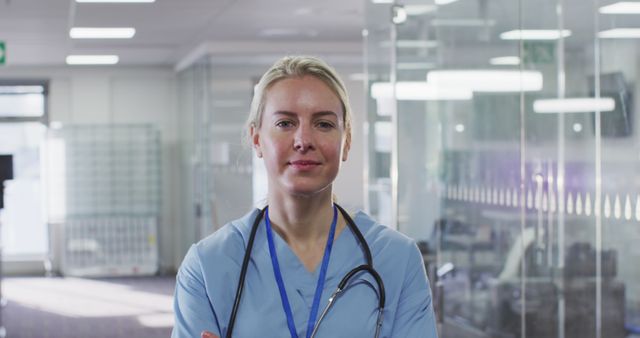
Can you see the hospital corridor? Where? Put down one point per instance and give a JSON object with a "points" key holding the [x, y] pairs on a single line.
{"points": [[337, 168]]}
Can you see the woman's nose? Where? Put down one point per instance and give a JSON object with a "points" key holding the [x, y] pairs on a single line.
{"points": [[303, 140]]}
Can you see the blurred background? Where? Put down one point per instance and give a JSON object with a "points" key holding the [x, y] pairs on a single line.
{"points": [[499, 134]]}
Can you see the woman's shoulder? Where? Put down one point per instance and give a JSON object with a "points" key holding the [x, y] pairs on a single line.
{"points": [[225, 246], [231, 237], [380, 235]]}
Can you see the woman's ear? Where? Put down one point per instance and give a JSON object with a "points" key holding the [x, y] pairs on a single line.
{"points": [[347, 147], [255, 141]]}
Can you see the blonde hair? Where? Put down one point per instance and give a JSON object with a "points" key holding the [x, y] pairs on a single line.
{"points": [[296, 66]]}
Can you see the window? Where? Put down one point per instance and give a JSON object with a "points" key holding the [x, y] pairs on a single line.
{"points": [[23, 99]]}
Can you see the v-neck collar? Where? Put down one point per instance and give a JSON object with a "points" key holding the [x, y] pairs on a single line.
{"points": [[289, 261], [346, 250]]}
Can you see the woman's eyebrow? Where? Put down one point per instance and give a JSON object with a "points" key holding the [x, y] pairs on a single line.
{"points": [[324, 113], [315, 115], [285, 112]]}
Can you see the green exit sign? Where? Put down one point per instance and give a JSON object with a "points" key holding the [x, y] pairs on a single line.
{"points": [[3, 52], [539, 52]]}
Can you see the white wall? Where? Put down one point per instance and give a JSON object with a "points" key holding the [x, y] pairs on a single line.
{"points": [[102, 95]]}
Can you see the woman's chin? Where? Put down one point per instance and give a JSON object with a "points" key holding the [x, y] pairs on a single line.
{"points": [[308, 190]]}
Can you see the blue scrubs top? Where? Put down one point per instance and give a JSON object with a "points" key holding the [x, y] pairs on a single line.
{"points": [[207, 280]]}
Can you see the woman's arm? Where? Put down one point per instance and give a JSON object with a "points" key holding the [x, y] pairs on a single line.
{"points": [[414, 315], [193, 312]]}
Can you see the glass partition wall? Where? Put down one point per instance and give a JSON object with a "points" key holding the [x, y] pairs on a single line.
{"points": [[502, 137]]}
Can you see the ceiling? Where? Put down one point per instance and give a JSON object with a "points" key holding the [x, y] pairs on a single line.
{"points": [[177, 32], [36, 32]]}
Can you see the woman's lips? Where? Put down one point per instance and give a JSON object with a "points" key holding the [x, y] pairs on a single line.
{"points": [[304, 164]]}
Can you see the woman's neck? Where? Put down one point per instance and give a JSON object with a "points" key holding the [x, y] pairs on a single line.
{"points": [[304, 223], [301, 219]]}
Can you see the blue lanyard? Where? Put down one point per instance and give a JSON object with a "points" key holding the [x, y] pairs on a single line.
{"points": [[319, 285]]}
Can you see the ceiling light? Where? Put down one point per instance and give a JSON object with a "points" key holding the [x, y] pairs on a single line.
{"points": [[535, 34], [444, 2], [505, 61], [503, 81], [620, 33], [622, 7], [463, 23], [399, 15], [102, 33], [21, 90], [459, 127], [382, 1], [418, 91], [115, 1], [577, 127], [415, 10], [574, 105], [92, 59]]}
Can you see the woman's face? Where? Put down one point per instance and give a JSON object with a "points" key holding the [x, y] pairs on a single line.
{"points": [[302, 137]]}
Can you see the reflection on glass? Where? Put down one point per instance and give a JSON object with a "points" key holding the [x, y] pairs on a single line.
{"points": [[524, 196]]}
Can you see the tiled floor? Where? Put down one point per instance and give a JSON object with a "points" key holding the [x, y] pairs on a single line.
{"points": [[95, 308]]}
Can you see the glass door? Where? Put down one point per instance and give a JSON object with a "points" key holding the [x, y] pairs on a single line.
{"points": [[23, 220], [23, 119]]}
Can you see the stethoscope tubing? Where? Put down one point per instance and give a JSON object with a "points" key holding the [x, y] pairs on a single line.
{"points": [[368, 267], [243, 272], [341, 287]]}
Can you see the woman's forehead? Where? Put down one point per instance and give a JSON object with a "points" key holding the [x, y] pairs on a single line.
{"points": [[301, 94]]}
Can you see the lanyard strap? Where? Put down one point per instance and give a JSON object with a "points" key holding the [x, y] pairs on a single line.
{"points": [[321, 277]]}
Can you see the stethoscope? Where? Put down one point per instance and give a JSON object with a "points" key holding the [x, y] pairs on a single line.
{"points": [[368, 267]]}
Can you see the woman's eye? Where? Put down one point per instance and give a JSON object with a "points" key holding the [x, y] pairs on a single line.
{"points": [[284, 124], [325, 125]]}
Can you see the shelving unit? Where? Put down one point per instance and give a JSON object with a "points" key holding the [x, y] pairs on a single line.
{"points": [[109, 180]]}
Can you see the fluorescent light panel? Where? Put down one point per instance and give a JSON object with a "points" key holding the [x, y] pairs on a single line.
{"points": [[535, 34], [415, 10], [444, 2], [418, 91], [102, 32], [620, 33], [477, 80], [92, 59], [623, 7], [21, 90], [505, 61], [463, 23], [115, 1], [574, 105]]}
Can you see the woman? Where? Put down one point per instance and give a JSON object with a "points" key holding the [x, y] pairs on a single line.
{"points": [[300, 125]]}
